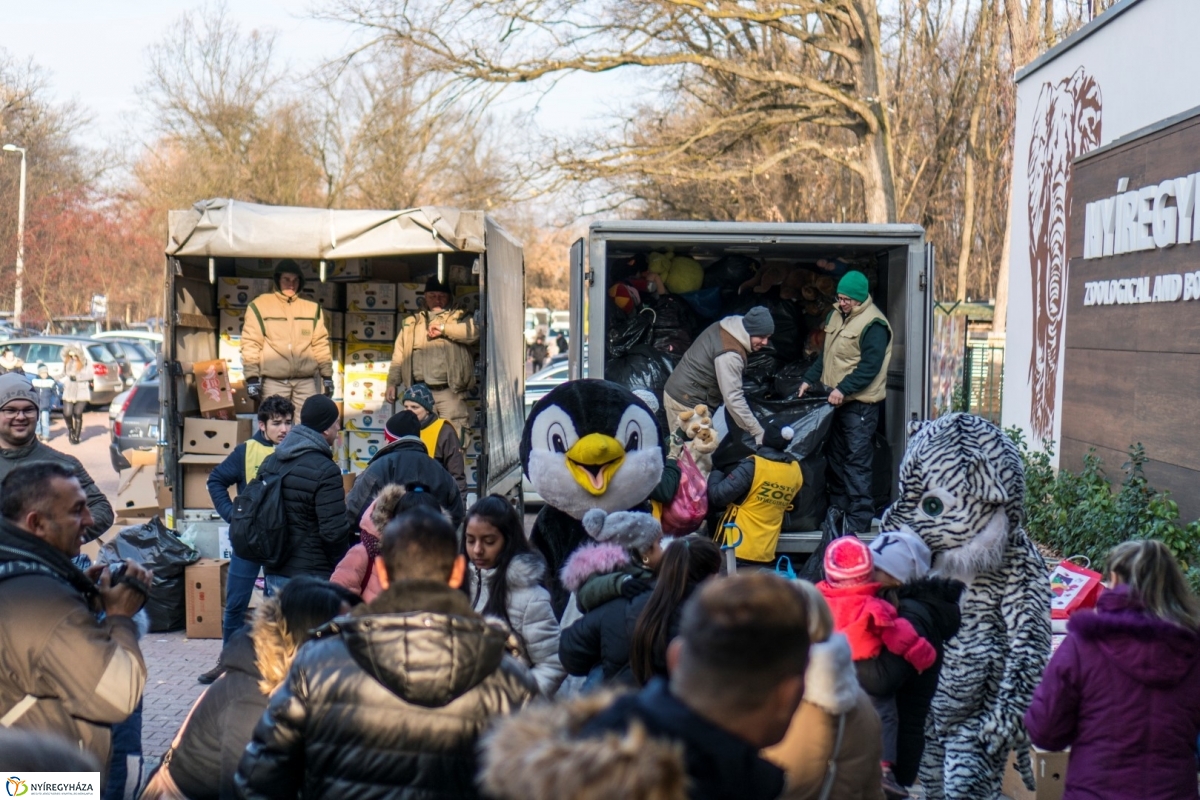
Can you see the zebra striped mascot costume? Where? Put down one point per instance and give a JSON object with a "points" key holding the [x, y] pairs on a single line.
{"points": [[962, 490]]}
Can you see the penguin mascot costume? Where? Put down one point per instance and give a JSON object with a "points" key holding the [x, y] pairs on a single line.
{"points": [[587, 444]]}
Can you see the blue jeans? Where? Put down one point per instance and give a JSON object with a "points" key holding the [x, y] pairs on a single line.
{"points": [[43, 429], [239, 586], [275, 583]]}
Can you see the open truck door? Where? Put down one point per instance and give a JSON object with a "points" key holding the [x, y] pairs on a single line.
{"points": [[502, 363], [578, 291]]}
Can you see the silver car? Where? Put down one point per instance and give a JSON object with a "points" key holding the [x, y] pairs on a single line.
{"points": [[106, 381]]}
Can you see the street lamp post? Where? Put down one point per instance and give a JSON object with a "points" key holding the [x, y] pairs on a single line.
{"points": [[17, 288]]}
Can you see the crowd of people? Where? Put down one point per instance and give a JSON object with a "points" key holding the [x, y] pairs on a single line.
{"points": [[408, 646]]}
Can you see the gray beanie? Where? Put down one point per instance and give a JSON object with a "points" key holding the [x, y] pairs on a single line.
{"points": [[757, 322], [901, 554], [15, 386]]}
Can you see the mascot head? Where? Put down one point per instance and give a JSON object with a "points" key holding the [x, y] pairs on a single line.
{"points": [[592, 444], [962, 490]]}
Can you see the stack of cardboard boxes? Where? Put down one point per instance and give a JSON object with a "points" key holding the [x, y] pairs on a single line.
{"points": [[371, 318], [209, 438]]}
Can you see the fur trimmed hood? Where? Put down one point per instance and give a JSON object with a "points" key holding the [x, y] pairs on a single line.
{"points": [[538, 755], [593, 559], [273, 648], [830, 682]]}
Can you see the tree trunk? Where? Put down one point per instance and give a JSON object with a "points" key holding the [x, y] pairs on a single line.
{"points": [[968, 225], [879, 177], [1000, 312]]}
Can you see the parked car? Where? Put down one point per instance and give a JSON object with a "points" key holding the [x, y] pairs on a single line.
{"points": [[124, 367], [137, 422], [139, 354], [145, 336], [537, 386], [106, 381]]}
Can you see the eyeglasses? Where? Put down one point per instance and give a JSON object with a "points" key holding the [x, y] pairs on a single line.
{"points": [[13, 413]]}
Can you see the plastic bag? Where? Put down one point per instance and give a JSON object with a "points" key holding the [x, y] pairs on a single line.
{"points": [[705, 302], [673, 326], [810, 504], [789, 377], [729, 272], [688, 507], [832, 528], [156, 548], [788, 338], [624, 333], [758, 377], [643, 367]]}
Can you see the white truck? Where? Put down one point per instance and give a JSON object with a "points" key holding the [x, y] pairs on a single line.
{"points": [[903, 264]]}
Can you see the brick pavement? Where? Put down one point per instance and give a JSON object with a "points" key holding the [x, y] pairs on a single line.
{"points": [[172, 661]]}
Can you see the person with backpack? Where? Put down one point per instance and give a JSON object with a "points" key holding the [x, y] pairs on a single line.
{"points": [[275, 416], [297, 500]]}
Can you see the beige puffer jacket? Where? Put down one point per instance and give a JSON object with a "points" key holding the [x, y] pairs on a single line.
{"points": [[285, 337]]}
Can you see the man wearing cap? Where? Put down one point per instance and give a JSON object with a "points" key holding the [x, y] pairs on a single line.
{"points": [[853, 365], [314, 501], [712, 368], [285, 345], [19, 445], [404, 461], [435, 347], [439, 436]]}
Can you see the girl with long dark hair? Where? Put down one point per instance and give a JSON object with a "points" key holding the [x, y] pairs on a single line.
{"points": [[685, 564], [504, 580]]}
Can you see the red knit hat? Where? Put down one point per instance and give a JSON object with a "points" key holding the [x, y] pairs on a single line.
{"points": [[848, 562]]}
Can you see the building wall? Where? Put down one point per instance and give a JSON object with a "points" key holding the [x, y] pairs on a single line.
{"points": [[1131, 67], [1131, 370]]}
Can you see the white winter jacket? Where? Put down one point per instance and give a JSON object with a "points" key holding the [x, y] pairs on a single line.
{"points": [[530, 614]]}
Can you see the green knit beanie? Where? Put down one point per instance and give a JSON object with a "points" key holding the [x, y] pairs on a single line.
{"points": [[854, 286]]}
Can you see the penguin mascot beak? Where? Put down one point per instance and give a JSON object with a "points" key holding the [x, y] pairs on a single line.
{"points": [[593, 460]]}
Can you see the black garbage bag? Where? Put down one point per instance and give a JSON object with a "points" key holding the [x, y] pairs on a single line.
{"points": [[790, 329], [156, 548], [705, 302], [625, 332], [643, 367], [674, 323], [759, 375], [729, 272], [789, 377], [808, 509], [832, 528]]}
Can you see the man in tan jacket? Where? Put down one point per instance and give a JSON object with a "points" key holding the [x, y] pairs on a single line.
{"points": [[72, 665], [436, 347], [285, 345]]}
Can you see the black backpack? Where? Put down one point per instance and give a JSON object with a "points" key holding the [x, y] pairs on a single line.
{"points": [[259, 528]]}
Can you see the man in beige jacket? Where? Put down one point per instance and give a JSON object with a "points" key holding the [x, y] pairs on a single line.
{"points": [[436, 347], [285, 345], [72, 665]]}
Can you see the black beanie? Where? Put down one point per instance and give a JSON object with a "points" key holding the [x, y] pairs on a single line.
{"points": [[777, 438], [434, 285], [319, 413], [403, 424]]}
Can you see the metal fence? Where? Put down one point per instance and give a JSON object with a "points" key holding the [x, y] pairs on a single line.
{"points": [[983, 376]]}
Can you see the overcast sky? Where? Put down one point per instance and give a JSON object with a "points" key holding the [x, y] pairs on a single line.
{"points": [[95, 51]]}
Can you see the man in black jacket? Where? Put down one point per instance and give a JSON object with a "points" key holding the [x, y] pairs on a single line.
{"points": [[405, 461], [737, 676], [313, 497], [390, 701]]}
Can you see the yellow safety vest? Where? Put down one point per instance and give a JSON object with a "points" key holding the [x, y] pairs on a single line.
{"points": [[760, 515], [256, 454], [430, 433]]}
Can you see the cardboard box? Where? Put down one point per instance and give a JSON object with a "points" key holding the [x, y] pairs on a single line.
{"points": [[368, 297], [335, 323], [137, 492], [230, 321], [371, 421], [363, 445], [365, 405], [229, 350], [323, 294], [349, 269], [212, 387], [254, 267], [1049, 772], [214, 437], [370, 328], [348, 482], [238, 292], [206, 580], [242, 402], [368, 358], [224, 546], [141, 458], [408, 297], [195, 480]]}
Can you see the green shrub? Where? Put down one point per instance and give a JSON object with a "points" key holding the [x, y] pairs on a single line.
{"points": [[1078, 513]]}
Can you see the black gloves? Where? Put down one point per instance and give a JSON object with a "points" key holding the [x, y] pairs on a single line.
{"points": [[254, 387], [328, 386]]}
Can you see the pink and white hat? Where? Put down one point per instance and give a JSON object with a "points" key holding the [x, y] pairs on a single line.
{"points": [[848, 562]]}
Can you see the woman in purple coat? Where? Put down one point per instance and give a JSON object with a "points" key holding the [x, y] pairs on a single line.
{"points": [[1123, 689]]}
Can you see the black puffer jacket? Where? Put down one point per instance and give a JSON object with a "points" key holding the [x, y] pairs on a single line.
{"points": [[315, 504], [404, 461], [387, 702], [931, 606]]}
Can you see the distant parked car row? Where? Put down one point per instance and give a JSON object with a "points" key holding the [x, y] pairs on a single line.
{"points": [[114, 363]]}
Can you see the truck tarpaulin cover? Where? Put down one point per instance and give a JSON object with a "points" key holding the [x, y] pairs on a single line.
{"points": [[811, 419], [233, 229], [156, 548]]}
